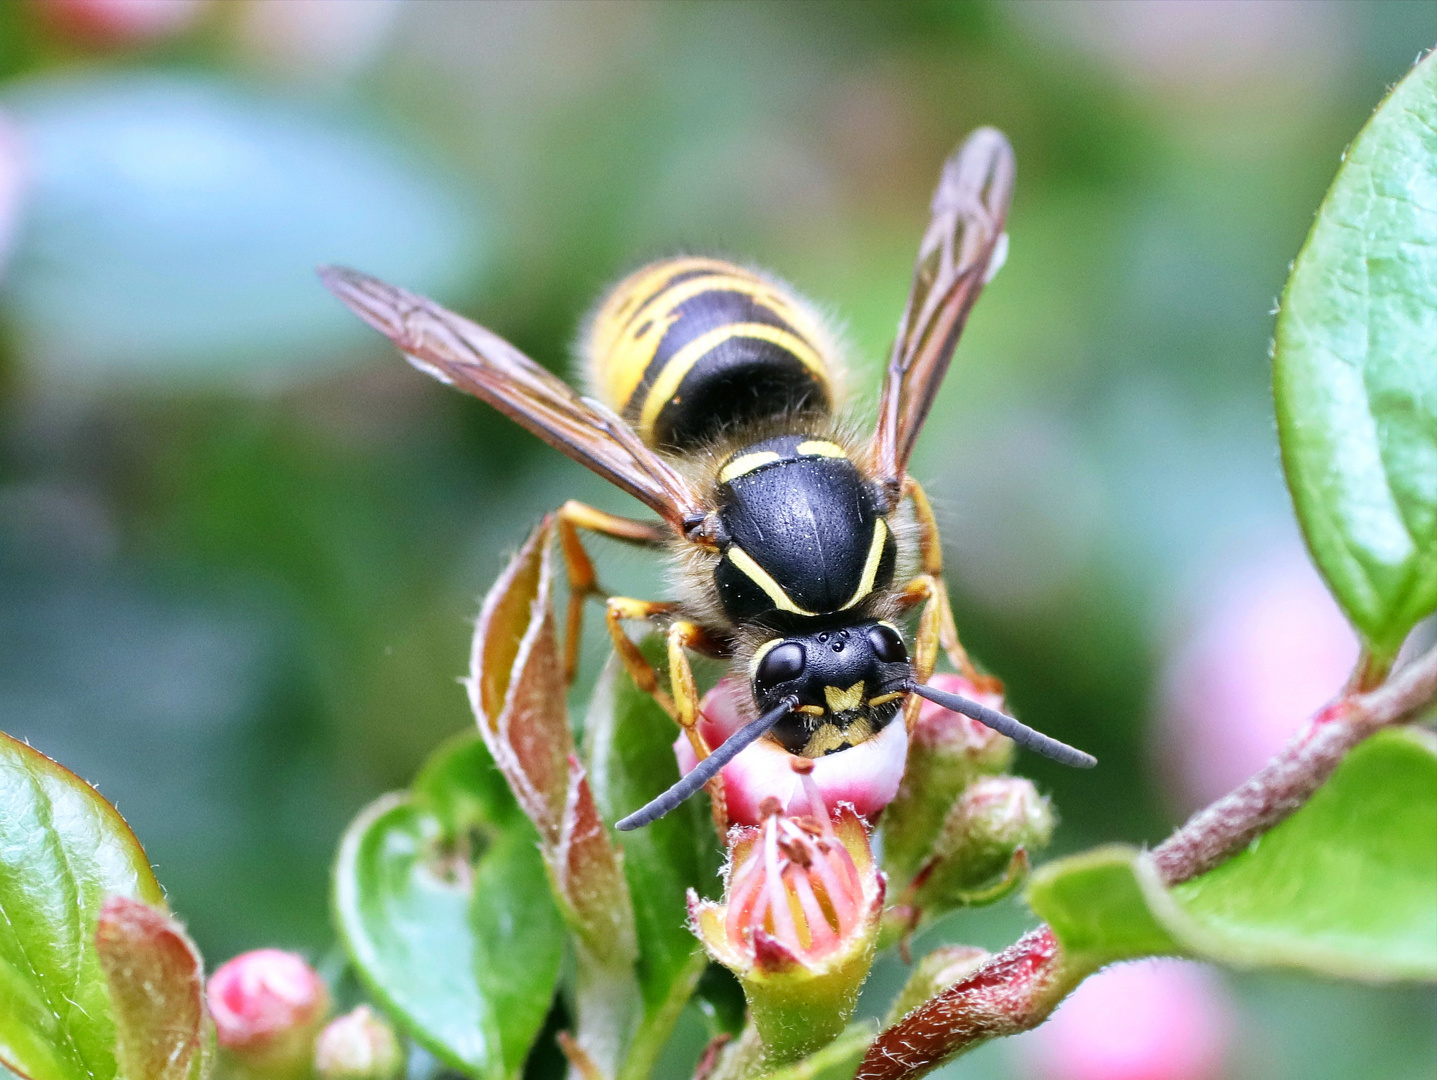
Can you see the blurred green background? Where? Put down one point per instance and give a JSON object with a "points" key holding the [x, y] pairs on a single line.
{"points": [[241, 541]]}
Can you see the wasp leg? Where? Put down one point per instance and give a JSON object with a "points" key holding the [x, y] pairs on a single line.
{"points": [[617, 611], [930, 552], [583, 582], [684, 635]]}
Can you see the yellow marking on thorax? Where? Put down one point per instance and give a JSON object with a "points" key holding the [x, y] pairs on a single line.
{"points": [[761, 577], [870, 565], [682, 362], [821, 448], [841, 701], [742, 466]]}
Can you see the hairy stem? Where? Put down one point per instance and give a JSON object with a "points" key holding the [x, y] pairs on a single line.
{"points": [[1018, 988], [1287, 781]]}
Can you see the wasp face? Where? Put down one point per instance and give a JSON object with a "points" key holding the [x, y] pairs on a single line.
{"points": [[848, 680]]}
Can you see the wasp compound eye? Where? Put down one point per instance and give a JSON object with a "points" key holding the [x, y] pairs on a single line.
{"points": [[780, 664], [887, 645]]}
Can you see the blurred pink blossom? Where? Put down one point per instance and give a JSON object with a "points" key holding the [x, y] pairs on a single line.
{"points": [[865, 776], [1269, 648], [267, 1006], [1150, 1020], [118, 22]]}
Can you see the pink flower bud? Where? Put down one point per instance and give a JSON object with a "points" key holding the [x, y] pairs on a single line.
{"points": [[1151, 1020], [360, 1045], [267, 1006], [949, 751], [955, 735], [865, 776], [799, 920]]}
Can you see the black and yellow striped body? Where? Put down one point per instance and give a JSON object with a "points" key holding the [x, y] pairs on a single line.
{"points": [[699, 355], [688, 349]]}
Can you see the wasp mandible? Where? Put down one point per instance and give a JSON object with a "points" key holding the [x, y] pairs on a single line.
{"points": [[714, 397]]}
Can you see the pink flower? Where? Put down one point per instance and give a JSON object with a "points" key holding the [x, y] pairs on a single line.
{"points": [[864, 776], [799, 920], [267, 1005], [1270, 648], [1151, 1020]]}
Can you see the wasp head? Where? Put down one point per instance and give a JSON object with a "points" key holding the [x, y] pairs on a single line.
{"points": [[849, 682]]}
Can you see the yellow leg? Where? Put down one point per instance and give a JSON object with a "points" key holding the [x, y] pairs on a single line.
{"points": [[930, 551], [683, 705], [684, 635], [617, 611], [925, 590], [583, 582]]}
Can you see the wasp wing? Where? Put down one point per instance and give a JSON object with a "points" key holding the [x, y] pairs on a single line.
{"points": [[963, 248], [465, 355]]}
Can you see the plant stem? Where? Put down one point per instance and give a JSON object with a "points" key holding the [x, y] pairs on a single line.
{"points": [[1018, 988], [1287, 781]]}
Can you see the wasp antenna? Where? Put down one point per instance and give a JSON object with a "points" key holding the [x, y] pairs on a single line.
{"points": [[705, 770], [1021, 734]]}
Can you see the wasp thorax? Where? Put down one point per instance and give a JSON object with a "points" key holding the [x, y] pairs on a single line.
{"points": [[849, 681]]}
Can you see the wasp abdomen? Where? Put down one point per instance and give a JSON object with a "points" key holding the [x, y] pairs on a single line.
{"points": [[687, 348]]}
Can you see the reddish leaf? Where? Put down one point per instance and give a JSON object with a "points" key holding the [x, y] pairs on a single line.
{"points": [[516, 684], [155, 978], [590, 876]]}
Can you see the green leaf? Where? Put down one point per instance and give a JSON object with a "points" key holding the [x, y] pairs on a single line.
{"points": [[1347, 886], [1098, 907], [629, 743], [156, 982], [63, 849], [1355, 371], [447, 913]]}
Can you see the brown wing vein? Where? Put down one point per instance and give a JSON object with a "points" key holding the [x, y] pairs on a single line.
{"points": [[969, 210], [466, 355]]}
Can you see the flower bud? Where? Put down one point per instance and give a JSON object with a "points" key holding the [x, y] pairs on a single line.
{"points": [[798, 922], [865, 776], [948, 751], [360, 1045], [267, 1006], [992, 819]]}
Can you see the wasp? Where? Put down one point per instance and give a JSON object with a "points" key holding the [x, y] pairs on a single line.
{"points": [[799, 550]]}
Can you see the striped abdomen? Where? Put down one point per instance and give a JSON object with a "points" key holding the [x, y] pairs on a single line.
{"points": [[687, 348]]}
